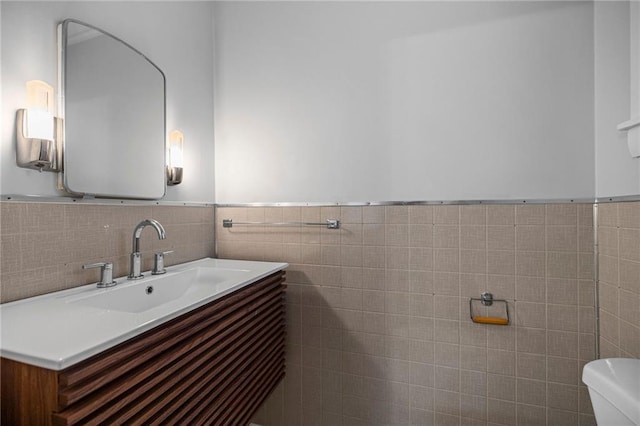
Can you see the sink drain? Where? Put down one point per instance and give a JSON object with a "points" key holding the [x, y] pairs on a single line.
{"points": [[149, 289]]}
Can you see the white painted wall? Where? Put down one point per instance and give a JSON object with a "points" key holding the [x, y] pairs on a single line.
{"points": [[617, 172], [177, 36], [363, 101], [374, 101]]}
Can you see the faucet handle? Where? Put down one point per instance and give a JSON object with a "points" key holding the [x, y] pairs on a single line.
{"points": [[106, 273], [158, 262]]}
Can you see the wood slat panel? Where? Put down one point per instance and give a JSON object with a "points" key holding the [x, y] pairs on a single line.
{"points": [[219, 381], [188, 391], [236, 397], [236, 393], [229, 375], [219, 399], [238, 407], [145, 403], [264, 392]]}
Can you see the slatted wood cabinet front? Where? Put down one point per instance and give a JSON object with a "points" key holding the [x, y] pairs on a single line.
{"points": [[214, 365]]}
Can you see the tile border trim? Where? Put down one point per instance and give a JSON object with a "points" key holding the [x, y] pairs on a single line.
{"points": [[108, 201], [626, 198], [11, 198]]}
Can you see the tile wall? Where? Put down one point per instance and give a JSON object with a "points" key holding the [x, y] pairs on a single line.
{"points": [[44, 245], [378, 313], [619, 283]]}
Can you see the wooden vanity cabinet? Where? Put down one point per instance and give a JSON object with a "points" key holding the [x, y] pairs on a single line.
{"points": [[214, 365]]}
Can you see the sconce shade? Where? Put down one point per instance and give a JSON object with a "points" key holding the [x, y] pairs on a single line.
{"points": [[176, 158], [176, 146], [38, 118], [38, 124], [39, 96]]}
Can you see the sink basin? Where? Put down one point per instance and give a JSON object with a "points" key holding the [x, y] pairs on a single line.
{"points": [[60, 329], [141, 296]]}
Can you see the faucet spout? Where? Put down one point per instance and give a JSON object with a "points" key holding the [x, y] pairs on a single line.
{"points": [[134, 267], [138, 231]]}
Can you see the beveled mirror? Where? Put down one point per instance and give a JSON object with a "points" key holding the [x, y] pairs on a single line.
{"points": [[113, 106]]}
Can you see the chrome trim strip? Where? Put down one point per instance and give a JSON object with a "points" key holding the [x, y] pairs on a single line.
{"points": [[90, 200], [11, 198], [618, 199], [215, 233], [596, 281], [419, 203]]}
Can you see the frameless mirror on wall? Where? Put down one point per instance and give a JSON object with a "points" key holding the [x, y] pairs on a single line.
{"points": [[114, 114]]}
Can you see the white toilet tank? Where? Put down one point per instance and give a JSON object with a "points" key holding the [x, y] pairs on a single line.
{"points": [[614, 388]]}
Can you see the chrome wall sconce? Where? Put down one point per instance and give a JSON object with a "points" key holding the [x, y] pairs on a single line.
{"points": [[38, 132], [175, 162]]}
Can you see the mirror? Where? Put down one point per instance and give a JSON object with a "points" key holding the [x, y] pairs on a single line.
{"points": [[113, 106]]}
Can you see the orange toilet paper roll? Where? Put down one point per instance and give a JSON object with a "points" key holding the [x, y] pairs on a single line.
{"points": [[491, 320]]}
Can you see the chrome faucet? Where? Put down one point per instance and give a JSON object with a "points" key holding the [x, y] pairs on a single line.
{"points": [[134, 267]]}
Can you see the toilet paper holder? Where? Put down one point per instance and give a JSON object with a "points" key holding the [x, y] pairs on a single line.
{"points": [[486, 299]]}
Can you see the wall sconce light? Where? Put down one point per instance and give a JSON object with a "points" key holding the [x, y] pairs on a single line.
{"points": [[38, 131], [176, 158]]}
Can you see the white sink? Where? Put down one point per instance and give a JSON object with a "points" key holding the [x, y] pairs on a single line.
{"points": [[143, 295], [60, 329]]}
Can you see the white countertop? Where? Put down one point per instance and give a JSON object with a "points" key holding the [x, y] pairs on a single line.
{"points": [[54, 331]]}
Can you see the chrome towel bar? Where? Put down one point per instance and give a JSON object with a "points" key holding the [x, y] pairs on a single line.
{"points": [[329, 223]]}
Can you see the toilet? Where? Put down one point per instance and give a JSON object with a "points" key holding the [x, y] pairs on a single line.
{"points": [[614, 388]]}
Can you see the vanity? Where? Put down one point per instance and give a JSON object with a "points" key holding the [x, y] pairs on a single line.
{"points": [[202, 344], [196, 343]]}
